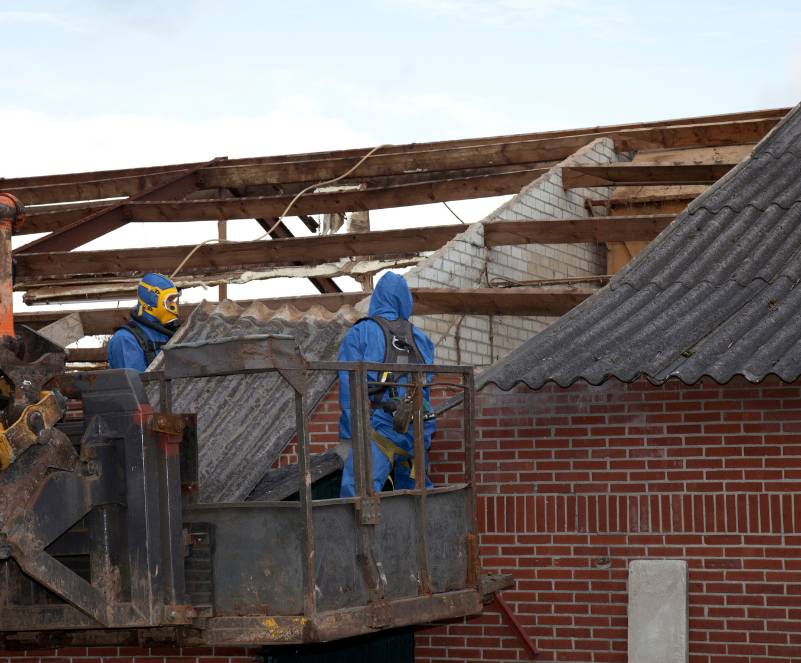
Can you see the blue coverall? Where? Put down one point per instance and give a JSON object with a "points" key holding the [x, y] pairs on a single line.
{"points": [[391, 300], [124, 350]]}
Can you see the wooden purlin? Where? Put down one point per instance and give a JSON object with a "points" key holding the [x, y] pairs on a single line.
{"points": [[434, 190], [427, 301], [742, 129], [106, 320], [105, 220], [411, 148], [215, 258], [401, 195], [663, 190], [643, 174], [674, 136]]}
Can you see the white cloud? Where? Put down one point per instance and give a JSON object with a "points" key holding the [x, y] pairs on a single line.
{"points": [[596, 16], [490, 11], [37, 143], [784, 87], [49, 18]]}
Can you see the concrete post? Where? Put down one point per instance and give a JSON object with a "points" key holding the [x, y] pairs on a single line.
{"points": [[658, 614]]}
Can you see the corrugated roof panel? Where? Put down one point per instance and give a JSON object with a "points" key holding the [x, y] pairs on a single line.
{"points": [[245, 421], [716, 294]]}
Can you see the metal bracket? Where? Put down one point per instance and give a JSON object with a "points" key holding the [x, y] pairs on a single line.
{"points": [[169, 424], [369, 510], [380, 615], [179, 614]]}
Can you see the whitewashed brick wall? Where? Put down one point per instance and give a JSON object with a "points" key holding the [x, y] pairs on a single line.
{"points": [[464, 262]]}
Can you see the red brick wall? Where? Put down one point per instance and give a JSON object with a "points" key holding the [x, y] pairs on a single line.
{"points": [[573, 483], [324, 433], [576, 482], [323, 429]]}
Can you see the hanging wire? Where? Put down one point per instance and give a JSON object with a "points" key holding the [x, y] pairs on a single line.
{"points": [[285, 212], [454, 213]]}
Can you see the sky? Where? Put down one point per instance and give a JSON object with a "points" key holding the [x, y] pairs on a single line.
{"points": [[106, 84]]}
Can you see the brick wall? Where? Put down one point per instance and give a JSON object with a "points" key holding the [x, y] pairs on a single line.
{"points": [[323, 429], [576, 482], [464, 262], [324, 434]]}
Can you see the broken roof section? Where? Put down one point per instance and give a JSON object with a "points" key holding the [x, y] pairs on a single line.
{"points": [[245, 421], [716, 294]]}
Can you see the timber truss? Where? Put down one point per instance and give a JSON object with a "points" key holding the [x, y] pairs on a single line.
{"points": [[671, 163]]}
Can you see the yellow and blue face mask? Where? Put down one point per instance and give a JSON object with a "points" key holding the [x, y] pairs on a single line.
{"points": [[158, 297]]}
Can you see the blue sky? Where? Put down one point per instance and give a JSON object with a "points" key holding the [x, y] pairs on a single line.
{"points": [[102, 84]]}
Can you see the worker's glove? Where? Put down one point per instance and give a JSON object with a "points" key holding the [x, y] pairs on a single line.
{"points": [[403, 415]]}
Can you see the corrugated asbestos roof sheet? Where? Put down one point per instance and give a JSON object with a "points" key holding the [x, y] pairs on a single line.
{"points": [[716, 294], [245, 421]]}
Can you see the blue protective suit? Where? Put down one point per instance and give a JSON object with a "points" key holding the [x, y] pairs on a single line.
{"points": [[124, 350], [391, 300]]}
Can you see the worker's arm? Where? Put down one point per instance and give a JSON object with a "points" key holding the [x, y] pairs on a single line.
{"points": [[364, 342], [124, 352], [348, 351]]}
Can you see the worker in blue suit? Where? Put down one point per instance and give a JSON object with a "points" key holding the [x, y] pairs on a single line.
{"points": [[386, 336], [153, 321]]}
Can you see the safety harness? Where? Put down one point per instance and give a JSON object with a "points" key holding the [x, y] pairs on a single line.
{"points": [[150, 347], [399, 348]]}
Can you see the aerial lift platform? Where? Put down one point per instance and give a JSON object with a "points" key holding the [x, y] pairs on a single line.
{"points": [[103, 541]]}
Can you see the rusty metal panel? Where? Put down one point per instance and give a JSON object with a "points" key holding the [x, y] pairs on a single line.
{"points": [[447, 542], [258, 557], [338, 575], [240, 354], [259, 553]]}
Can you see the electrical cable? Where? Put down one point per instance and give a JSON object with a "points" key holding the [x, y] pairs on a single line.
{"points": [[285, 212], [454, 213]]}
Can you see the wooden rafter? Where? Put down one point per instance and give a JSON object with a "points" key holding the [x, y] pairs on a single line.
{"points": [[480, 301], [314, 203], [643, 174], [216, 258], [105, 220], [394, 162], [106, 320]]}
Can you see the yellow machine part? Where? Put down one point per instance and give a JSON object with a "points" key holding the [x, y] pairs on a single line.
{"points": [[19, 436], [5, 452]]}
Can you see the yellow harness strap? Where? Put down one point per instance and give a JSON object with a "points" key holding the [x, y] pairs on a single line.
{"points": [[392, 450]]}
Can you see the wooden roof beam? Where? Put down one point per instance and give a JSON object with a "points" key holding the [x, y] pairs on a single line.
{"points": [[500, 181], [105, 220], [427, 301], [643, 174], [75, 178], [395, 161], [40, 267], [508, 182]]}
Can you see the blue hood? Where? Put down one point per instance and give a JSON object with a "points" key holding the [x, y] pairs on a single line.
{"points": [[391, 298]]}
